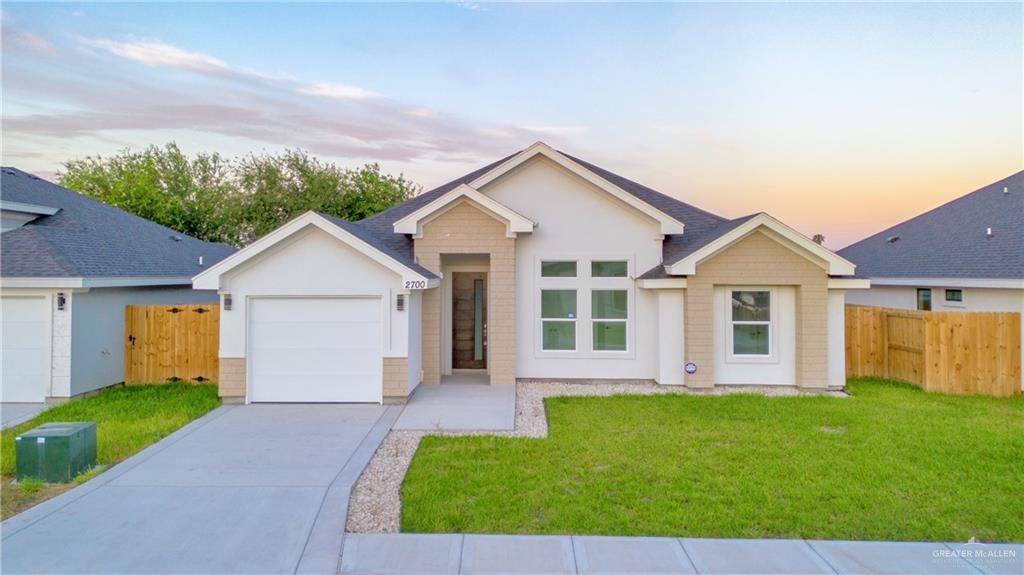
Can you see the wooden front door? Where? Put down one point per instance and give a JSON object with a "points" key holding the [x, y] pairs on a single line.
{"points": [[469, 320]]}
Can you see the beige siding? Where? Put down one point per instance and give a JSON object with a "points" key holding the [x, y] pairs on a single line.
{"points": [[231, 381], [396, 378], [465, 229], [760, 260]]}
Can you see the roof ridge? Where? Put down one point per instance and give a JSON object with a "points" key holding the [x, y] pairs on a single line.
{"points": [[931, 211]]}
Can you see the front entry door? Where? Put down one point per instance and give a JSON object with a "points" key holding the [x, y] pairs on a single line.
{"points": [[469, 320]]}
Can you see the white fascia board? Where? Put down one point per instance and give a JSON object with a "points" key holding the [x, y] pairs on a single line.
{"points": [[22, 207], [669, 225], [94, 282], [662, 283], [848, 283], [514, 222], [992, 283], [836, 265], [210, 279]]}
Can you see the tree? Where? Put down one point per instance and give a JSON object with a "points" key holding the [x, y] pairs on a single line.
{"points": [[275, 189], [235, 201], [192, 196]]}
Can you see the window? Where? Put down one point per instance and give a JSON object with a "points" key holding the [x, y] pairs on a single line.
{"points": [[924, 299], [751, 323], [609, 311], [955, 295], [558, 269], [558, 319], [608, 269]]}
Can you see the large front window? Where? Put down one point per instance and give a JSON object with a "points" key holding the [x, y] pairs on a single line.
{"points": [[558, 319], [751, 323], [609, 311], [571, 324]]}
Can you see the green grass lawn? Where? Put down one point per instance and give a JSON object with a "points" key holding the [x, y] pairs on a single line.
{"points": [[892, 462], [127, 419]]}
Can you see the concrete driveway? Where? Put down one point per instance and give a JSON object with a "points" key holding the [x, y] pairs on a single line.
{"points": [[245, 489]]}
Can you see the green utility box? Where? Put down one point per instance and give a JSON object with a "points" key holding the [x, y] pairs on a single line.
{"points": [[56, 452]]}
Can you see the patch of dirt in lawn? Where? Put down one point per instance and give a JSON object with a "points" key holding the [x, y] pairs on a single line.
{"points": [[14, 498]]}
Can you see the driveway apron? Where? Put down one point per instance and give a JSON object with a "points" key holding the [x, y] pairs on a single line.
{"points": [[239, 491]]}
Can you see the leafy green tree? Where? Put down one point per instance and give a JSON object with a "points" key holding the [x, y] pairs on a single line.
{"points": [[234, 202], [189, 195]]}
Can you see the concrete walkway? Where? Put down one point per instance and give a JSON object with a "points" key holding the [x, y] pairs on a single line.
{"points": [[244, 489], [410, 554], [460, 407], [12, 414]]}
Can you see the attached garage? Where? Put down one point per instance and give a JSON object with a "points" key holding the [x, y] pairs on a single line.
{"points": [[26, 349], [315, 349], [312, 313]]}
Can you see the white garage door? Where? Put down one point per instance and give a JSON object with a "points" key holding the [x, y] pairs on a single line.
{"points": [[315, 350], [26, 337]]}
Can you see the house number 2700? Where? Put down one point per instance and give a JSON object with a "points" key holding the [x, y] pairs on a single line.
{"points": [[415, 284]]}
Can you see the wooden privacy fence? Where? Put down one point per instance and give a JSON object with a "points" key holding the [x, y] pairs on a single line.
{"points": [[951, 352], [167, 342]]}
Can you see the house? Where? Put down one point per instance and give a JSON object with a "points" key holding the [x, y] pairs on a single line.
{"points": [[68, 267], [537, 266], [965, 255]]}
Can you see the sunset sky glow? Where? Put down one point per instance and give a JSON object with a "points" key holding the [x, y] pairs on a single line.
{"points": [[840, 119]]}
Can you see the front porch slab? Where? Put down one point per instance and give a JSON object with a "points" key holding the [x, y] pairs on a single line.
{"points": [[460, 407]]}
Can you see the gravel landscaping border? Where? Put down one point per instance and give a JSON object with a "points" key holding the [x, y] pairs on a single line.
{"points": [[375, 505]]}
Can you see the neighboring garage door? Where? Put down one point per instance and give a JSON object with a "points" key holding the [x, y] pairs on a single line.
{"points": [[315, 350], [25, 374]]}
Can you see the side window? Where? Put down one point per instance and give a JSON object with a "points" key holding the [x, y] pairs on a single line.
{"points": [[751, 323], [955, 295], [924, 299]]}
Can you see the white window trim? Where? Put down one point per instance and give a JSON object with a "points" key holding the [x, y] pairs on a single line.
{"points": [[773, 312], [584, 284]]}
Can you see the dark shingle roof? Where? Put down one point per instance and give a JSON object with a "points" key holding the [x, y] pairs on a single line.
{"points": [[699, 223], [950, 240], [677, 247], [87, 238]]}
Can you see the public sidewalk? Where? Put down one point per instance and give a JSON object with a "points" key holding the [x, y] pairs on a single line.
{"points": [[411, 554]]}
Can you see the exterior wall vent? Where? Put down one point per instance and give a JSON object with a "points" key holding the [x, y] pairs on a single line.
{"points": [[400, 302]]}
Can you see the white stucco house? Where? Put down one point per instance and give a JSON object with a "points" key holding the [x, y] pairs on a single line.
{"points": [[537, 266], [68, 267]]}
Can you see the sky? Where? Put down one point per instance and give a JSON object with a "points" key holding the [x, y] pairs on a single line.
{"points": [[839, 119]]}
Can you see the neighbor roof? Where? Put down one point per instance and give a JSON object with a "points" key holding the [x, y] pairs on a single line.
{"points": [[951, 241], [89, 239]]}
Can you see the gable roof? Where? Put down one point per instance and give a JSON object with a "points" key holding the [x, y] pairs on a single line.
{"points": [[85, 238], [413, 223], [346, 232], [698, 222], [950, 241]]}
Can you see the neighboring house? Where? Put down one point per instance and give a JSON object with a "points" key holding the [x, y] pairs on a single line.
{"points": [[966, 255], [68, 267], [538, 266]]}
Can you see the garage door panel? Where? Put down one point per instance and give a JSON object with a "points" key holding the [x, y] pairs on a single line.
{"points": [[295, 362], [24, 359], [331, 334], [317, 309], [316, 350]]}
